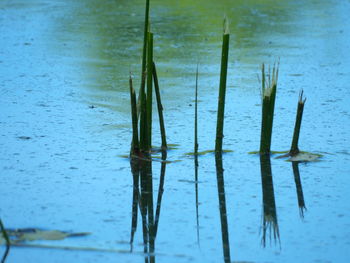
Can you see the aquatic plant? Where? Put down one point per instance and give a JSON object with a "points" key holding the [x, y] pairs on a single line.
{"points": [[144, 50], [142, 112], [135, 136], [294, 150], [160, 109], [149, 90], [196, 116], [269, 89], [222, 89]]}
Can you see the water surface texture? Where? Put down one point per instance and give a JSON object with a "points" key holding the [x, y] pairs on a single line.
{"points": [[65, 123]]}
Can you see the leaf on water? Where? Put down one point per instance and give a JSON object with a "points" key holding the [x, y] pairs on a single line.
{"points": [[305, 157], [33, 234]]}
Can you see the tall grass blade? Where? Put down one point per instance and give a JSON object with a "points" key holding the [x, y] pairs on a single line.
{"points": [[135, 147], [160, 108], [294, 150], [222, 89]]}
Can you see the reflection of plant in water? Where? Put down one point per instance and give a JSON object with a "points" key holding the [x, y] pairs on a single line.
{"points": [[269, 221], [300, 195], [143, 199], [222, 206]]}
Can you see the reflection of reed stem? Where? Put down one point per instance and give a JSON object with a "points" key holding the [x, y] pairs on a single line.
{"points": [[269, 205], [299, 189], [222, 206], [134, 163], [159, 199]]}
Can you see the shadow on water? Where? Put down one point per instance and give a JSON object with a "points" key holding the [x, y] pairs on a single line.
{"points": [[143, 200], [222, 206], [269, 219], [299, 188]]}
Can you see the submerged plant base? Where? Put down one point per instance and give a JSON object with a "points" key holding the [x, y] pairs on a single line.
{"points": [[206, 152], [301, 157], [271, 153], [32, 234]]}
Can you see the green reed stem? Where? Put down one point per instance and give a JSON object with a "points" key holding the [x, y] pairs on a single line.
{"points": [[135, 136], [268, 108], [143, 123], [149, 89], [294, 148], [144, 51], [160, 108], [222, 89], [196, 116]]}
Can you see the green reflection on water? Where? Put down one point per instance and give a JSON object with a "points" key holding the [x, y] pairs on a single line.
{"points": [[106, 38]]}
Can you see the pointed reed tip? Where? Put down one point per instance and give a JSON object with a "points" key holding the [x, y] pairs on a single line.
{"points": [[226, 26], [301, 98]]}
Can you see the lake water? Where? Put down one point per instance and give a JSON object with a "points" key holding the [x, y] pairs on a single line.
{"points": [[65, 124]]}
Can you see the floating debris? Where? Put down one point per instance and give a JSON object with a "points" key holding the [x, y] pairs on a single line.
{"points": [[32, 234]]}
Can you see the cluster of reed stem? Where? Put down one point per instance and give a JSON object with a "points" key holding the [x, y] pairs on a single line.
{"points": [[142, 111], [269, 89]]}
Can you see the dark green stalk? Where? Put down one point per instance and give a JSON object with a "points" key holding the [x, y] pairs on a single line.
{"points": [[149, 90], [143, 123], [144, 50], [135, 136], [196, 116], [268, 109], [160, 108], [294, 148], [7, 240], [222, 90]]}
